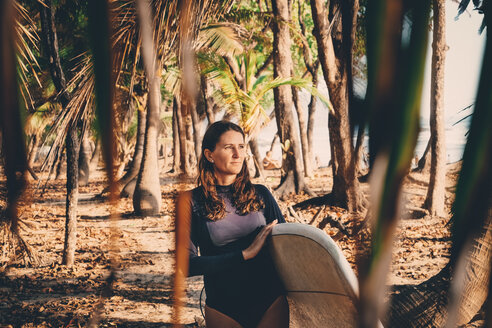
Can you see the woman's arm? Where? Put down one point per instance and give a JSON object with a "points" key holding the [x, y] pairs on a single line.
{"points": [[198, 265]]}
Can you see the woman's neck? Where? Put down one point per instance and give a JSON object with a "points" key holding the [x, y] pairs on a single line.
{"points": [[225, 179]]}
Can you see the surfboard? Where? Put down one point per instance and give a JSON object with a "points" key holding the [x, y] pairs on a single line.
{"points": [[322, 289]]}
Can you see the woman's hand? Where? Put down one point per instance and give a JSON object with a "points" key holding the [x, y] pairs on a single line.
{"points": [[259, 241]]}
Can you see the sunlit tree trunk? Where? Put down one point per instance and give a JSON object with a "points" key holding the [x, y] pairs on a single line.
{"points": [[176, 139], [310, 122], [197, 134], [147, 196], [84, 160], [301, 117], [253, 146], [423, 165], [312, 68], [434, 201], [292, 180], [95, 155], [72, 143], [50, 46], [359, 150], [335, 55], [184, 166], [127, 183], [33, 149], [208, 100], [60, 165]]}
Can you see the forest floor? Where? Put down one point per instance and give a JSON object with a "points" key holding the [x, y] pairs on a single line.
{"points": [[51, 295]]}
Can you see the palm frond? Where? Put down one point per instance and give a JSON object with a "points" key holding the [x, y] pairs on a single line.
{"points": [[395, 75], [26, 46], [223, 39]]}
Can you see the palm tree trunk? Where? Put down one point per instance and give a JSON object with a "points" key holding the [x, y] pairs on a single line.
{"points": [[176, 139], [33, 150], [208, 100], [253, 146], [274, 140], [293, 178], [434, 201], [190, 143], [84, 160], [310, 123], [147, 196], [423, 164], [197, 135], [335, 58], [60, 165], [301, 117], [127, 183], [50, 46], [73, 145], [359, 149], [95, 155], [184, 167]]}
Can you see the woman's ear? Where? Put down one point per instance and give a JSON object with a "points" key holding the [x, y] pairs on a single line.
{"points": [[208, 155]]}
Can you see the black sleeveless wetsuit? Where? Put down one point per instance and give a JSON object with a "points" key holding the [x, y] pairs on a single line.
{"points": [[240, 289]]}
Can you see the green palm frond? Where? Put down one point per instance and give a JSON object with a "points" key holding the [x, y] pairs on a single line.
{"points": [[223, 39], [295, 82], [246, 104], [250, 69], [395, 78], [171, 80]]}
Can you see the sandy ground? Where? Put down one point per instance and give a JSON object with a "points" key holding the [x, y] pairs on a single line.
{"points": [[52, 295]]}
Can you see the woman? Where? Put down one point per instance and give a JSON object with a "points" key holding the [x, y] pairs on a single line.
{"points": [[230, 220]]}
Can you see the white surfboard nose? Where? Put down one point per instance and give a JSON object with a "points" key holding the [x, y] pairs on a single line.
{"points": [[322, 288]]}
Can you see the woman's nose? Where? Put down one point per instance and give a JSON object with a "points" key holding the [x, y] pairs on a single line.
{"points": [[237, 152]]}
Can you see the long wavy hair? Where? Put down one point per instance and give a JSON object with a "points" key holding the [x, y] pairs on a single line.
{"points": [[244, 196]]}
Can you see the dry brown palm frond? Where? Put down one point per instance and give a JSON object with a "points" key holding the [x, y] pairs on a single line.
{"points": [[14, 248], [26, 46], [79, 109]]}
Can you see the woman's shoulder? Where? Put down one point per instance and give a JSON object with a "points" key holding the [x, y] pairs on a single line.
{"points": [[196, 190], [262, 190], [192, 195], [197, 199]]}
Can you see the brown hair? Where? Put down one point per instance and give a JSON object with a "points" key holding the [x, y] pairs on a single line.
{"points": [[244, 196]]}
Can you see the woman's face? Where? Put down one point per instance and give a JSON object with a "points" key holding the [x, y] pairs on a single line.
{"points": [[228, 155]]}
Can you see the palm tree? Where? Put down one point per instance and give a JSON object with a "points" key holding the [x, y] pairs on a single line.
{"points": [[435, 194], [292, 179], [51, 46], [457, 292], [335, 34], [13, 146]]}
